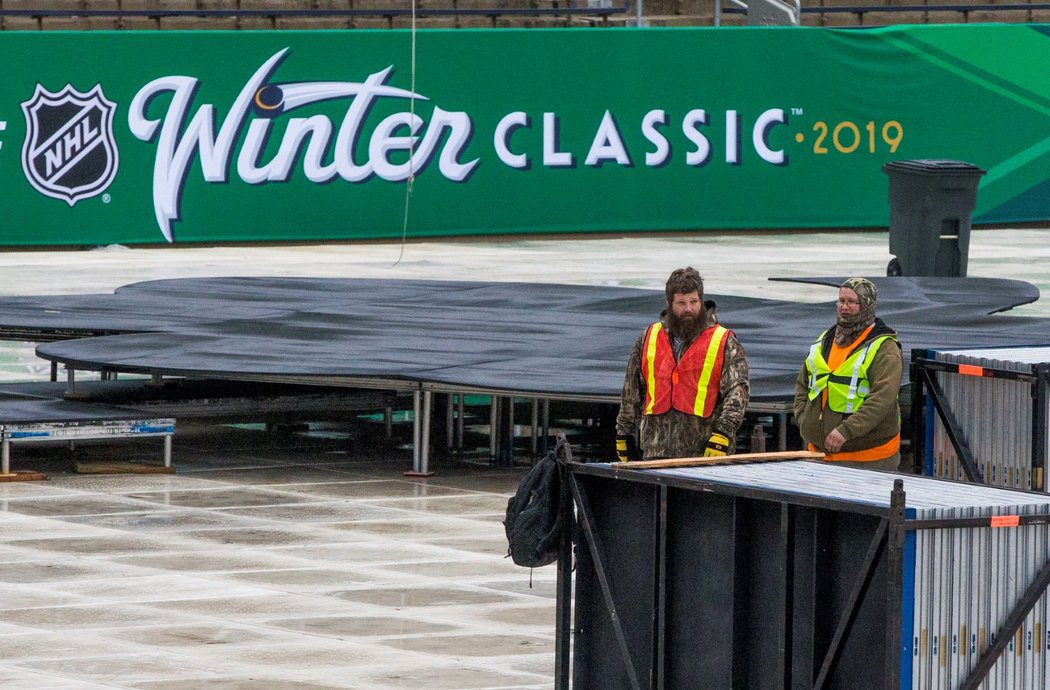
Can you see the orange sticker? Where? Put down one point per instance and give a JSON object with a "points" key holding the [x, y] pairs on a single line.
{"points": [[1006, 520], [971, 370]]}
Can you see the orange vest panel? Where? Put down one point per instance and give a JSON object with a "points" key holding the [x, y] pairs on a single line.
{"points": [[691, 384]]}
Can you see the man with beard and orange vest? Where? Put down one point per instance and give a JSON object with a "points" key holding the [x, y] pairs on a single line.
{"points": [[846, 392], [686, 387]]}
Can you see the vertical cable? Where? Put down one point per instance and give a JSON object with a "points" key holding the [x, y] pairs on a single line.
{"points": [[411, 139]]}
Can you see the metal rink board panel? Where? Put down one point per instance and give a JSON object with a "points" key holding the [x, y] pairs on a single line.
{"points": [[738, 575], [1004, 429]]}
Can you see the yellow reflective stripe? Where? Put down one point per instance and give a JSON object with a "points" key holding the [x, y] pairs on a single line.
{"points": [[818, 370], [848, 397], [713, 348], [851, 391], [650, 365], [817, 367]]}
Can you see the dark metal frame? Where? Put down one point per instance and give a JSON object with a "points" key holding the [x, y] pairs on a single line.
{"points": [[925, 386], [887, 545], [553, 10], [388, 12], [861, 10]]}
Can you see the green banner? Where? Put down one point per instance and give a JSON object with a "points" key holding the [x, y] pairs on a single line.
{"points": [[145, 137]]}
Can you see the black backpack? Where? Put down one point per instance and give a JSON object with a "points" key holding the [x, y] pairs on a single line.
{"points": [[534, 522]]}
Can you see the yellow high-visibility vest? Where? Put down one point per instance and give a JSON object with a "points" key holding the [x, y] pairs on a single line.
{"points": [[848, 385]]}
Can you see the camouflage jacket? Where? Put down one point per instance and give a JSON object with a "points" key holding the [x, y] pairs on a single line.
{"points": [[676, 434]]}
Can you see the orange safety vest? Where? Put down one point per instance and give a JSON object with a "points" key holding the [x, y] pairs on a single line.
{"points": [[689, 385]]}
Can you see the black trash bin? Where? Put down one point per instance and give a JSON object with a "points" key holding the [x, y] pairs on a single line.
{"points": [[931, 202]]}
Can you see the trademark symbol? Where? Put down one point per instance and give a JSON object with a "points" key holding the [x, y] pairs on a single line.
{"points": [[106, 198], [796, 111]]}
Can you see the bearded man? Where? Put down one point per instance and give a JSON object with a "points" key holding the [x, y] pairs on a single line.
{"points": [[846, 393], [686, 387]]}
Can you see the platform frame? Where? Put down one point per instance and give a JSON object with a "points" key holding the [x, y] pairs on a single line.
{"points": [[37, 432]]}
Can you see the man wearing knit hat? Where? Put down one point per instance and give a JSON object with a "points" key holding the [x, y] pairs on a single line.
{"points": [[686, 387], [846, 393]]}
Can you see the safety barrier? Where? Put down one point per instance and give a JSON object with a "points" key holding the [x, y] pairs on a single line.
{"points": [[982, 415]]}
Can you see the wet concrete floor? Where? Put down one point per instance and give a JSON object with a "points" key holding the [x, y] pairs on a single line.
{"points": [[270, 559], [295, 560]]}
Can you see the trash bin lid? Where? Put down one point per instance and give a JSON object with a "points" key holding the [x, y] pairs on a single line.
{"points": [[933, 167]]}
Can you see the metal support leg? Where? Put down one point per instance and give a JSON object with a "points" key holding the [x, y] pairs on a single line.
{"points": [[493, 433], [535, 432], [504, 447], [71, 386], [420, 434], [415, 429], [546, 425], [424, 438], [459, 421], [388, 421], [6, 457], [167, 450], [509, 438], [54, 372], [449, 421]]}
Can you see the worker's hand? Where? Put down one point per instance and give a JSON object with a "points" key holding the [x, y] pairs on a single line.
{"points": [[717, 445], [833, 443], [627, 448]]}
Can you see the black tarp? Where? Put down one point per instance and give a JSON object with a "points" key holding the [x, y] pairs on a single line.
{"points": [[542, 339]]}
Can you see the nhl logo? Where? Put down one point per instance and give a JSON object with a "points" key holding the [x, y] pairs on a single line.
{"points": [[69, 151]]}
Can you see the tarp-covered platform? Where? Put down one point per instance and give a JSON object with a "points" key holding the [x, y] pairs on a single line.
{"points": [[540, 340]]}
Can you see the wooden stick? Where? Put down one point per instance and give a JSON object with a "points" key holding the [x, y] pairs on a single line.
{"points": [[720, 460]]}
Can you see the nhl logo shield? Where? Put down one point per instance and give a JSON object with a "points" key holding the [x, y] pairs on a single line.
{"points": [[69, 151]]}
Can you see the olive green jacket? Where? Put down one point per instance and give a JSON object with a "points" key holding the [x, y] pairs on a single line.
{"points": [[876, 421]]}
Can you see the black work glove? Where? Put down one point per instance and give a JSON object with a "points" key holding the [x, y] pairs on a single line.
{"points": [[717, 445], [627, 448]]}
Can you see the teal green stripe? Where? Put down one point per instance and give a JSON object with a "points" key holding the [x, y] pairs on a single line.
{"points": [[1018, 160], [968, 71], [992, 83]]}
